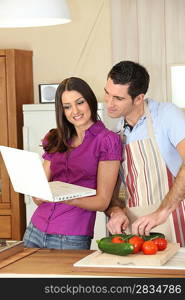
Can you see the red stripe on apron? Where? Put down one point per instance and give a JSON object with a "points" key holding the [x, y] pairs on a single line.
{"points": [[178, 216], [179, 224], [130, 179], [170, 178], [144, 172]]}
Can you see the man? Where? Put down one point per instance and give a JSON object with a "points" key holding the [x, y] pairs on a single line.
{"points": [[154, 155]]}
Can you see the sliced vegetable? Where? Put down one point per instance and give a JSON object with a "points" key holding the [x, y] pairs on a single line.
{"points": [[137, 242], [149, 247], [161, 243]]}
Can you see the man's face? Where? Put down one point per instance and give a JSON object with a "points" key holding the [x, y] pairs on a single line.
{"points": [[119, 103]]}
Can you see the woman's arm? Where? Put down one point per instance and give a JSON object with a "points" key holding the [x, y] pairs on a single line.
{"points": [[46, 166], [106, 180]]}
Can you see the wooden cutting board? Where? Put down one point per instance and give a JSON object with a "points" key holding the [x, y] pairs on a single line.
{"points": [[99, 259]]}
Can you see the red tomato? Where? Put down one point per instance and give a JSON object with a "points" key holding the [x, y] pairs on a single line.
{"points": [[137, 242], [161, 243], [149, 247], [117, 239]]}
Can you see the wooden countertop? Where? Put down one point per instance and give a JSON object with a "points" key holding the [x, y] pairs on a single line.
{"points": [[59, 263]]}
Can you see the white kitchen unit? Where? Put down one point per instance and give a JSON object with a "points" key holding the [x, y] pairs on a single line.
{"points": [[38, 120]]}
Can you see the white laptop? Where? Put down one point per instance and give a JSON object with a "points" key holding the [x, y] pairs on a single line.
{"points": [[28, 177]]}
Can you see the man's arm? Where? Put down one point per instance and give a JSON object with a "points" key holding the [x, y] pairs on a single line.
{"points": [[176, 194], [118, 221]]}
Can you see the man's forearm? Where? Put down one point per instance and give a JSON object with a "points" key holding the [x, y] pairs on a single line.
{"points": [[118, 200], [176, 194], [114, 209]]}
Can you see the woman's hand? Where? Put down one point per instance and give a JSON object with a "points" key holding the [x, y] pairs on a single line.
{"points": [[38, 201]]}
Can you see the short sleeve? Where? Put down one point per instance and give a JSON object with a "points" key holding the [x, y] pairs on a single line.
{"points": [[172, 121], [111, 147], [46, 155]]}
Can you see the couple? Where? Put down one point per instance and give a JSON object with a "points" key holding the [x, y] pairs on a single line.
{"points": [[83, 152]]}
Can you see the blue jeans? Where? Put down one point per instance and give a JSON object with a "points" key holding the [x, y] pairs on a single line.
{"points": [[34, 238]]}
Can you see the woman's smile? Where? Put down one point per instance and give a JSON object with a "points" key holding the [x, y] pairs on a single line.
{"points": [[78, 117]]}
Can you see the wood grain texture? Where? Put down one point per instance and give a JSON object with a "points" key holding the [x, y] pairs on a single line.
{"points": [[61, 263], [5, 226], [10, 250], [4, 197], [15, 255], [16, 89]]}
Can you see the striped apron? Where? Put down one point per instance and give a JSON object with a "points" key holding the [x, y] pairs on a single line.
{"points": [[147, 181]]}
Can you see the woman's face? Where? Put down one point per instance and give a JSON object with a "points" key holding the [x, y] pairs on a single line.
{"points": [[76, 109]]}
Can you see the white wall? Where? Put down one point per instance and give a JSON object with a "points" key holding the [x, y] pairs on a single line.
{"points": [[81, 48]]}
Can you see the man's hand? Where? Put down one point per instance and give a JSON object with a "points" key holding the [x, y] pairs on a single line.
{"points": [[118, 222], [143, 225]]}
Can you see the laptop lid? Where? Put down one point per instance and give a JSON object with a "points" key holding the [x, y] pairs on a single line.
{"points": [[28, 177]]}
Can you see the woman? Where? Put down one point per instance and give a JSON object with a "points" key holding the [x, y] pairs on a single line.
{"points": [[80, 151]]}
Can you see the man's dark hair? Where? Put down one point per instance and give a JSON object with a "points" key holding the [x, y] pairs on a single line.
{"points": [[133, 74]]}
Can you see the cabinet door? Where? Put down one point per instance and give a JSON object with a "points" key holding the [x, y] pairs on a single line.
{"points": [[4, 179], [16, 89], [5, 218]]}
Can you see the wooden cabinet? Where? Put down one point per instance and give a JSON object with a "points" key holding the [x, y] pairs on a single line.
{"points": [[16, 89]]}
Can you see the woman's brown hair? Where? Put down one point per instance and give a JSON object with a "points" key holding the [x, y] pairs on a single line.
{"points": [[57, 139]]}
